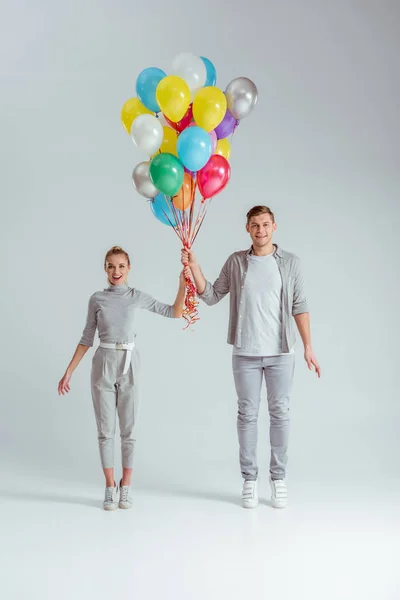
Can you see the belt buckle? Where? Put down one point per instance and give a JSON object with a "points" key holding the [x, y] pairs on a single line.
{"points": [[119, 346]]}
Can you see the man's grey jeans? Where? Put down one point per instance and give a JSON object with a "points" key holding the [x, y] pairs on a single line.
{"points": [[248, 372]]}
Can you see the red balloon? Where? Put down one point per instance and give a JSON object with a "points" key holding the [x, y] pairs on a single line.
{"points": [[212, 178], [184, 122]]}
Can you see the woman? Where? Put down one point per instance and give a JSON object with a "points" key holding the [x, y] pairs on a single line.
{"points": [[115, 366]]}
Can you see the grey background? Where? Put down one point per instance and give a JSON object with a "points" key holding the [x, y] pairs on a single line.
{"points": [[321, 149]]}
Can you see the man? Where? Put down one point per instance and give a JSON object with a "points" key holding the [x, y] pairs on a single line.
{"points": [[266, 290]]}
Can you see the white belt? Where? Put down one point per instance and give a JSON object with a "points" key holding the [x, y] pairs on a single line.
{"points": [[118, 346]]}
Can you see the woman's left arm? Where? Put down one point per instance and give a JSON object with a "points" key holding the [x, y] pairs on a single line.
{"points": [[172, 311], [180, 297]]}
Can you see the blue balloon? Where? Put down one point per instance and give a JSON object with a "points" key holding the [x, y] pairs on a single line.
{"points": [[211, 72], [162, 210], [194, 148], [146, 85]]}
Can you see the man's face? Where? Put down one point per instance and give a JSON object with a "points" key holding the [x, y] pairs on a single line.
{"points": [[261, 229]]}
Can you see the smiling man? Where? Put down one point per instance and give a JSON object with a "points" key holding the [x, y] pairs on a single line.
{"points": [[266, 290]]}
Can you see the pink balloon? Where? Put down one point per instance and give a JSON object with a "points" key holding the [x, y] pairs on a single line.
{"points": [[214, 140], [212, 178], [213, 137]]}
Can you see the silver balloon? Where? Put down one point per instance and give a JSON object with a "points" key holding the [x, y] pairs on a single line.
{"points": [[142, 182], [241, 95]]}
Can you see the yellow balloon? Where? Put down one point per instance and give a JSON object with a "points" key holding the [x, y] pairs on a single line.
{"points": [[223, 148], [169, 141], [173, 97], [132, 109], [209, 107]]}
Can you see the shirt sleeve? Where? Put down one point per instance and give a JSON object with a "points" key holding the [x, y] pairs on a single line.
{"points": [[299, 296], [146, 301], [91, 324], [214, 292]]}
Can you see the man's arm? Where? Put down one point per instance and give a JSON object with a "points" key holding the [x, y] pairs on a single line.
{"points": [[302, 318], [208, 292], [303, 325], [199, 278]]}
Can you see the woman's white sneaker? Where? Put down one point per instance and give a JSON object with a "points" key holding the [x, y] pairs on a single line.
{"points": [[279, 494], [250, 493], [111, 498], [125, 498]]}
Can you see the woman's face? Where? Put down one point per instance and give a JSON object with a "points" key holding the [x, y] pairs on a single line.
{"points": [[117, 269]]}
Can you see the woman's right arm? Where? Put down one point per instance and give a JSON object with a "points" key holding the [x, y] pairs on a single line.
{"points": [[63, 386], [85, 343]]}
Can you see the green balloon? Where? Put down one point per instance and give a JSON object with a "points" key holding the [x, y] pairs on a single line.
{"points": [[166, 172]]}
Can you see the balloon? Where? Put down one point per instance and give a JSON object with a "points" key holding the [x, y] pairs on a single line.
{"points": [[227, 126], [211, 72], [166, 172], [142, 182], [185, 196], [214, 140], [192, 69], [191, 173], [169, 141], [184, 122], [214, 176], [223, 148], [213, 137], [209, 108], [241, 95], [130, 110], [147, 133], [162, 119], [162, 210], [146, 85], [194, 148], [173, 97]]}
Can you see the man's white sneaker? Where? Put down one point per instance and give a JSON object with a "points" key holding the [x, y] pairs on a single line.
{"points": [[279, 494], [125, 498], [111, 498], [250, 493]]}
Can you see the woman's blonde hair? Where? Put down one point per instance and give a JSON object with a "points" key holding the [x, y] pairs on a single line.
{"points": [[116, 250]]}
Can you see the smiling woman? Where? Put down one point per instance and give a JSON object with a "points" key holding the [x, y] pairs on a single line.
{"points": [[115, 366], [117, 265]]}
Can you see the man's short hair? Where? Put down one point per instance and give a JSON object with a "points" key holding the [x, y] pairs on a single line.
{"points": [[260, 210]]}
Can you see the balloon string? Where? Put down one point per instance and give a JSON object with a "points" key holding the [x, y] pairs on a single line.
{"points": [[190, 313], [187, 225]]}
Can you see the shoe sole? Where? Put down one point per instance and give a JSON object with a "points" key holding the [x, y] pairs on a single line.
{"points": [[277, 505], [125, 506], [250, 505], [110, 508]]}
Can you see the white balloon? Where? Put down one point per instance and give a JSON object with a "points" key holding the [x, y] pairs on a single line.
{"points": [[192, 69], [142, 182], [163, 120], [147, 133]]}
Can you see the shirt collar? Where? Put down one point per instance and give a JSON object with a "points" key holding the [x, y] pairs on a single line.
{"points": [[278, 251], [117, 289]]}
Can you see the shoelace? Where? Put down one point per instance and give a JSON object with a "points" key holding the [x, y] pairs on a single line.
{"points": [[280, 488], [124, 493], [248, 490], [109, 494]]}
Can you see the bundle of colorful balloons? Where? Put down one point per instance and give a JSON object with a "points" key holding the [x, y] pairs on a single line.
{"points": [[183, 122]]}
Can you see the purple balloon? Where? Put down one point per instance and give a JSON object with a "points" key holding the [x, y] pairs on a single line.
{"points": [[191, 173], [227, 126]]}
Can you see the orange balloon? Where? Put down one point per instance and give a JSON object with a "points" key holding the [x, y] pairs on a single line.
{"points": [[185, 196]]}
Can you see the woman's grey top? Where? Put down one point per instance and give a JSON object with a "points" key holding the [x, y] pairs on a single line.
{"points": [[112, 312]]}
